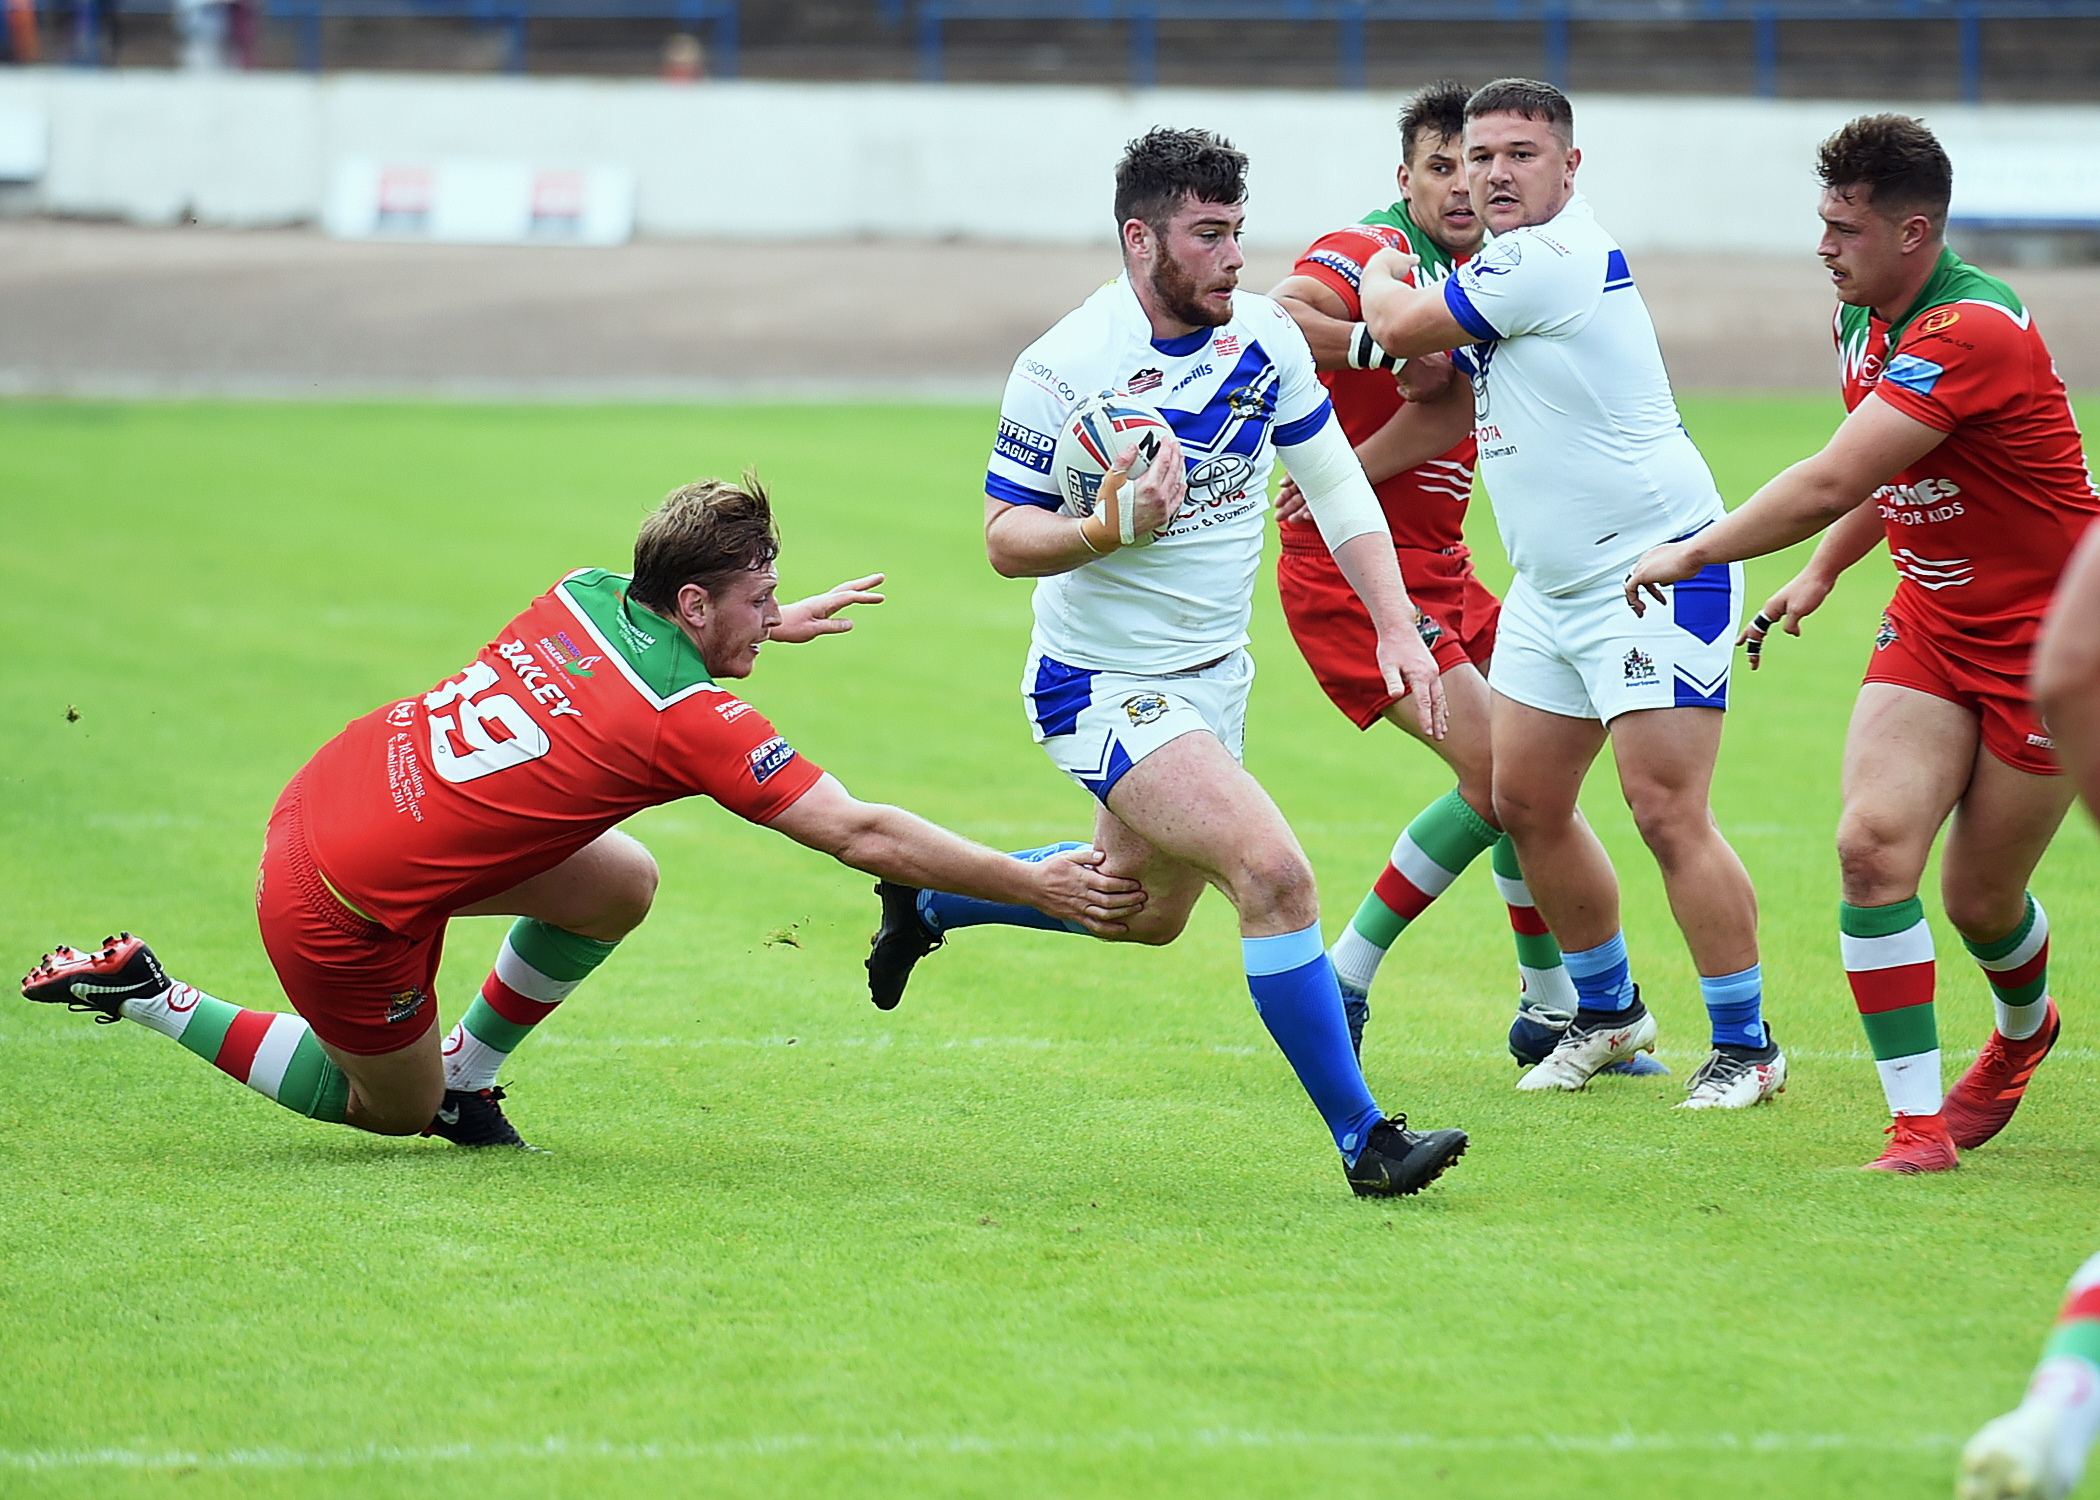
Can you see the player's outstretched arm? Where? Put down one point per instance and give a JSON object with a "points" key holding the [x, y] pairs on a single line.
{"points": [[896, 845], [2067, 669], [1874, 445], [1322, 316], [1855, 534], [1404, 319], [806, 619]]}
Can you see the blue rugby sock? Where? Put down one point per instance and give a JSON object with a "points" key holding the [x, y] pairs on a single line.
{"points": [[1732, 1003], [1603, 979], [943, 912], [1299, 1000]]}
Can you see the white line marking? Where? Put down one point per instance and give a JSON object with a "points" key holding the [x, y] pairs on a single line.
{"points": [[542, 1038], [899, 1445]]}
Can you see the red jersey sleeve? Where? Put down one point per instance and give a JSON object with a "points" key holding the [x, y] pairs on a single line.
{"points": [[1957, 364], [1337, 260], [725, 749]]}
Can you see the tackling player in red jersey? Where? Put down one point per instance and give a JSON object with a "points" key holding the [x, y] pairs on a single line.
{"points": [[1417, 447], [498, 792], [1961, 450]]}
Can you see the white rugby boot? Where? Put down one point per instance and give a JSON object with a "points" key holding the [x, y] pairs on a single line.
{"points": [[1584, 1051], [2019, 1456], [1729, 1080]]}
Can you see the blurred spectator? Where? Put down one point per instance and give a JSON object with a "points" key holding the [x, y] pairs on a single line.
{"points": [[244, 32], [93, 42], [18, 38], [685, 60], [201, 34]]}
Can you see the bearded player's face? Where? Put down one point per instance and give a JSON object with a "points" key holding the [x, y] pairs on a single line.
{"points": [[1195, 263], [737, 618]]}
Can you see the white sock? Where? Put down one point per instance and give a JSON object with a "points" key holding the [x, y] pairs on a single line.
{"points": [[168, 1012], [2016, 1023], [470, 1063], [1912, 1083], [1356, 959], [2068, 1387]]}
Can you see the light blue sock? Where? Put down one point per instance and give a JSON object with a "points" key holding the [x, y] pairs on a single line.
{"points": [[1298, 999], [944, 912], [1603, 978], [1732, 1002]]}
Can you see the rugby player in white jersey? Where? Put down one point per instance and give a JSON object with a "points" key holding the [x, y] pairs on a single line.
{"points": [[1588, 466], [1137, 678], [1414, 437]]}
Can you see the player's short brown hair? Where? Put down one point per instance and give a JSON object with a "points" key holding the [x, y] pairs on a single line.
{"points": [[1163, 167], [1900, 163], [1433, 115], [1527, 97], [705, 532]]}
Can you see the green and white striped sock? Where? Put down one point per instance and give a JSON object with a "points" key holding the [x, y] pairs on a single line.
{"points": [[2017, 967], [1544, 977], [1435, 849], [1889, 964], [538, 967], [272, 1052]]}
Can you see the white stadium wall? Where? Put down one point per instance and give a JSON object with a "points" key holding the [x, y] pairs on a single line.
{"points": [[1028, 164]]}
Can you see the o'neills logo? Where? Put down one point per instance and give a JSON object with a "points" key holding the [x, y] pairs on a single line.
{"points": [[182, 998], [1938, 318]]}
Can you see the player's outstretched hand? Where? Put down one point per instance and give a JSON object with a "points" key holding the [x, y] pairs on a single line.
{"points": [[806, 619], [1406, 662], [1157, 493], [1787, 608], [1672, 563], [1290, 503], [1075, 889]]}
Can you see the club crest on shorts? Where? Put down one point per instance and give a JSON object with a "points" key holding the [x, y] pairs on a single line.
{"points": [[1886, 636], [403, 1006], [1143, 708], [1640, 669], [1428, 629]]}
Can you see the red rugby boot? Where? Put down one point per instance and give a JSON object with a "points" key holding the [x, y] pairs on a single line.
{"points": [[1979, 1105], [1919, 1143]]}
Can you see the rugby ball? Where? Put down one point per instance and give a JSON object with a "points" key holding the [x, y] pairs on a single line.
{"points": [[1099, 428]]}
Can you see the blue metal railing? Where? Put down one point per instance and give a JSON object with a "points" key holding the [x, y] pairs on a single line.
{"points": [[720, 16], [1553, 17]]}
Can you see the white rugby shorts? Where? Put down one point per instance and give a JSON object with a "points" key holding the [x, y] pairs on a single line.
{"points": [[1097, 725], [1587, 655]]}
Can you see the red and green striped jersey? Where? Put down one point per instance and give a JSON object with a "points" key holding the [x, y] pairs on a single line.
{"points": [[586, 709], [1980, 527], [1425, 507]]}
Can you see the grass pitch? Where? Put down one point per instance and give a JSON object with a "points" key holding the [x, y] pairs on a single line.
{"points": [[1063, 1224]]}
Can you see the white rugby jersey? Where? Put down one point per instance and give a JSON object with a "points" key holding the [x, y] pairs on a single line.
{"points": [[1228, 393], [1586, 461]]}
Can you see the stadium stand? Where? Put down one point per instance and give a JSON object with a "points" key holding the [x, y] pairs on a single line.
{"points": [[1999, 50]]}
